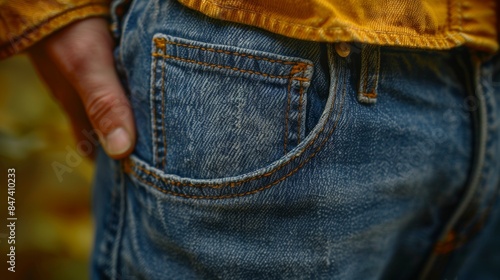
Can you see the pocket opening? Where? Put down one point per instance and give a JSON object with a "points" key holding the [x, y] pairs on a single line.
{"points": [[255, 179], [219, 111]]}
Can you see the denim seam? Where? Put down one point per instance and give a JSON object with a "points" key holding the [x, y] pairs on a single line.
{"points": [[153, 105], [224, 67], [289, 97], [229, 52], [480, 131], [476, 223], [163, 97], [299, 69], [301, 93], [161, 44], [318, 149], [129, 162]]}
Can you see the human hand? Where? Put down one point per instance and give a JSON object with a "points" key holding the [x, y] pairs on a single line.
{"points": [[77, 65]]}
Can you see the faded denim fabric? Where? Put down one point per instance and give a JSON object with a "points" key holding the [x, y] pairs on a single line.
{"points": [[265, 157]]}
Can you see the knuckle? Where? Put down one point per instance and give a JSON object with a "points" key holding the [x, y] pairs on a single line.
{"points": [[100, 106]]}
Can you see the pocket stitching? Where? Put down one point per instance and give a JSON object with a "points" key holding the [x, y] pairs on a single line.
{"points": [[228, 52], [160, 51], [228, 67], [127, 166], [164, 96], [297, 66], [285, 142], [301, 94], [153, 105], [296, 69]]}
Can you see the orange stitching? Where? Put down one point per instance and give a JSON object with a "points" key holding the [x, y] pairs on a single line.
{"points": [[370, 94], [301, 92], [154, 109], [220, 66], [300, 67], [447, 245], [373, 93], [126, 166], [160, 43], [300, 79], [164, 160], [165, 41], [233, 184], [287, 109], [269, 185]]}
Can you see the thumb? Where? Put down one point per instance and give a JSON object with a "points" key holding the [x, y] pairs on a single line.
{"points": [[83, 52]]}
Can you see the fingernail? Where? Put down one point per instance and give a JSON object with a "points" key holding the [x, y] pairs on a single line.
{"points": [[117, 142]]}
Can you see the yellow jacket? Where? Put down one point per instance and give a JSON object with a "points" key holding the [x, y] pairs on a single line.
{"points": [[429, 24]]}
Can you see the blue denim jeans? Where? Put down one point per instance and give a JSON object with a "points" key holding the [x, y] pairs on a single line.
{"points": [[265, 157]]}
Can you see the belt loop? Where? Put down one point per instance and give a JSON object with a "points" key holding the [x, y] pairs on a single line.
{"points": [[370, 66]]}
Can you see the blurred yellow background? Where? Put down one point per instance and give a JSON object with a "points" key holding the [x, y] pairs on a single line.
{"points": [[54, 226]]}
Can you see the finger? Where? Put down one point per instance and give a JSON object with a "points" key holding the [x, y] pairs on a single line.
{"points": [[83, 53], [68, 99]]}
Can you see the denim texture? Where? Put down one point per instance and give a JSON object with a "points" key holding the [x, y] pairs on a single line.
{"points": [[256, 160]]}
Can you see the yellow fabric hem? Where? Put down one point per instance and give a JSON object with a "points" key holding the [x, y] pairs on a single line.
{"points": [[451, 36], [33, 34]]}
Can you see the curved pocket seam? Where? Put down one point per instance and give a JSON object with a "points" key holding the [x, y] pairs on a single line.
{"points": [[129, 165]]}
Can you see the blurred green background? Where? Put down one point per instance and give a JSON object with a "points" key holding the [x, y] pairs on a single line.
{"points": [[54, 225]]}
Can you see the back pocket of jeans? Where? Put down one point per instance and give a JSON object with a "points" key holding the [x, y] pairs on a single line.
{"points": [[221, 111]]}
